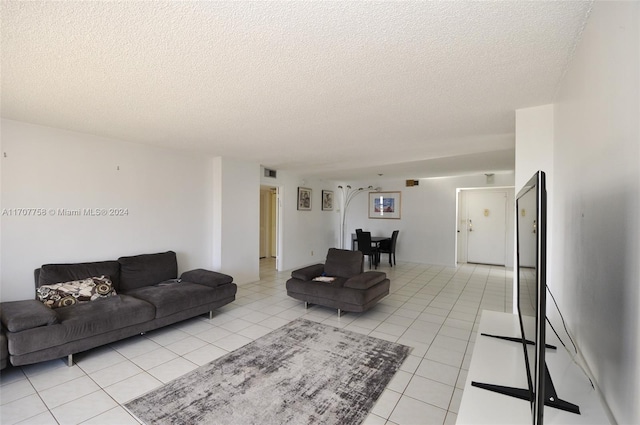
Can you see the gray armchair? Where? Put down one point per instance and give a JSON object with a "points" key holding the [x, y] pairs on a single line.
{"points": [[349, 288]]}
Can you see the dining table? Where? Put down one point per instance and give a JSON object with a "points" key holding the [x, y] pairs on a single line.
{"points": [[375, 240]]}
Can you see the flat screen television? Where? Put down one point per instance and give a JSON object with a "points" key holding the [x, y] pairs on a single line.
{"points": [[531, 272]]}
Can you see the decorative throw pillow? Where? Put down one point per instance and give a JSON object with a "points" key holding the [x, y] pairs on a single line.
{"points": [[77, 291]]}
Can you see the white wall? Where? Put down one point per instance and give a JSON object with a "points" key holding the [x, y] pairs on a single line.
{"points": [[534, 147], [534, 151], [596, 229], [428, 221], [236, 218], [304, 232], [166, 194]]}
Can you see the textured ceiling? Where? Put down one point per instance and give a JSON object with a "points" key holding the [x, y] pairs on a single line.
{"points": [[333, 89]]}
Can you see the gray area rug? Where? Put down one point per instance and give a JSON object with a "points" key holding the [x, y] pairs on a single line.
{"points": [[302, 373]]}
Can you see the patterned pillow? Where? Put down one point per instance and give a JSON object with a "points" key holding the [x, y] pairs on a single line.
{"points": [[76, 291]]}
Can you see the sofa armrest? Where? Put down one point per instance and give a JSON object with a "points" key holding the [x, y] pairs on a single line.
{"points": [[206, 277], [308, 273], [365, 280], [18, 316]]}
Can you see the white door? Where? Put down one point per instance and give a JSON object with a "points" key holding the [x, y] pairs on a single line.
{"points": [[264, 222], [273, 251], [486, 227]]}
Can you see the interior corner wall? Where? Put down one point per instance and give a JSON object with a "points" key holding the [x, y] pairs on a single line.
{"points": [[236, 219], [596, 202], [55, 184], [306, 235]]}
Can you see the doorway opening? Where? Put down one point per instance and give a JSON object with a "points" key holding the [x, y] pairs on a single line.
{"points": [[269, 225], [484, 230]]}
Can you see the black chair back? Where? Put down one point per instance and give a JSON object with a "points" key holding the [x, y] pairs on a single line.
{"points": [[394, 239], [364, 246], [390, 247], [364, 242]]}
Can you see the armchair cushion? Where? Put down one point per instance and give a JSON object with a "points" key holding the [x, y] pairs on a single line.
{"points": [[206, 277], [308, 273], [343, 263], [18, 316], [365, 280]]}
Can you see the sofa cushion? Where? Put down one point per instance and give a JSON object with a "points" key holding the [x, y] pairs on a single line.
{"points": [[26, 314], [49, 274], [147, 270], [206, 277], [77, 291], [171, 298], [343, 263], [4, 352], [82, 321]]}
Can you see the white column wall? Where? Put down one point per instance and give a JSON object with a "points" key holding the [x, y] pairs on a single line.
{"points": [[236, 219]]}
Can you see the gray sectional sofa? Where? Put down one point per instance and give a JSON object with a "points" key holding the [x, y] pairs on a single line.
{"points": [[350, 288], [149, 295]]}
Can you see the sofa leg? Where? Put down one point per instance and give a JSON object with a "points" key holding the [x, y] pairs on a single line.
{"points": [[70, 360], [306, 305], [211, 315], [339, 312]]}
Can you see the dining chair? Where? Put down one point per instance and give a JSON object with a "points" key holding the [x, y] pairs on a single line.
{"points": [[389, 247], [364, 245], [358, 231]]}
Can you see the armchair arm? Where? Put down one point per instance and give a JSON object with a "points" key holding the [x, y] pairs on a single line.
{"points": [[18, 316], [206, 277], [365, 280], [308, 273]]}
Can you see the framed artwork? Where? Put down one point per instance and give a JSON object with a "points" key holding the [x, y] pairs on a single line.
{"points": [[384, 204], [327, 200], [304, 199]]}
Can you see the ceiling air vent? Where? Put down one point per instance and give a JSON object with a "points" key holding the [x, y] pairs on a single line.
{"points": [[269, 173]]}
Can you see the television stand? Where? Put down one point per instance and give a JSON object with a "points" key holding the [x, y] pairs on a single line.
{"points": [[518, 340], [551, 396], [496, 362]]}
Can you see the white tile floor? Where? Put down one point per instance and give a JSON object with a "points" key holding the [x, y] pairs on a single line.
{"points": [[433, 309]]}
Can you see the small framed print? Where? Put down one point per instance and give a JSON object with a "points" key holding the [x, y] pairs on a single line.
{"points": [[327, 200], [304, 199], [384, 204]]}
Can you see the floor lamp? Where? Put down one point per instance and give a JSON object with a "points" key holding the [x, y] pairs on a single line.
{"points": [[347, 196]]}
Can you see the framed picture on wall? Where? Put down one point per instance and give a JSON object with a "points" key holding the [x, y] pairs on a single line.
{"points": [[385, 204], [327, 200], [304, 199]]}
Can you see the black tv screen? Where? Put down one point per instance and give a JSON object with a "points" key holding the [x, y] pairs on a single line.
{"points": [[531, 261], [531, 243], [531, 278]]}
